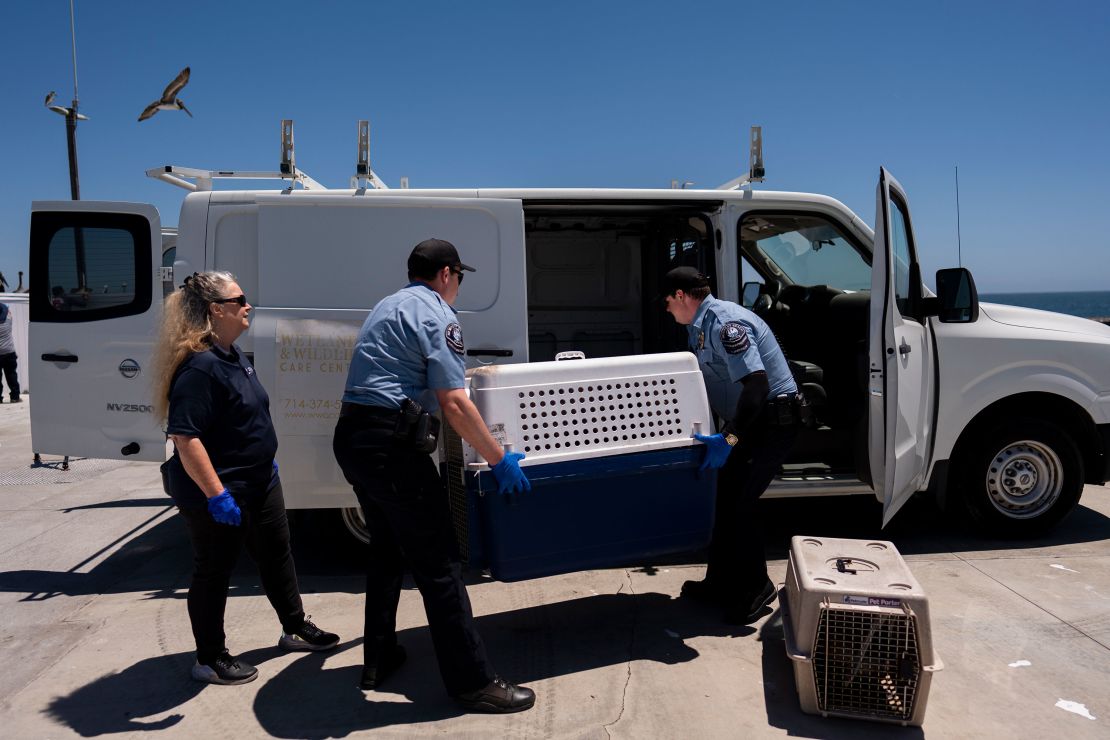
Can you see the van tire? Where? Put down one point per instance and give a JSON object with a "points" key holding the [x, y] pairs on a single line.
{"points": [[1020, 478], [355, 524]]}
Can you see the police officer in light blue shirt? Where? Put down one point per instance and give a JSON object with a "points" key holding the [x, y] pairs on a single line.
{"points": [[751, 389], [408, 363], [410, 345]]}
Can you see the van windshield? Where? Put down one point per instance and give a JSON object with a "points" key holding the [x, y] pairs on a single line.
{"points": [[807, 250]]}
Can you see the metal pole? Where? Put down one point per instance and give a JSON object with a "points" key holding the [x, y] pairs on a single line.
{"points": [[71, 144], [959, 241], [73, 39]]}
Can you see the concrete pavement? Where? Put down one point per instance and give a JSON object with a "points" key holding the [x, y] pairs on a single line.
{"points": [[94, 636]]}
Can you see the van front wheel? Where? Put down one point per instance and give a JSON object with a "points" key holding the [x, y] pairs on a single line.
{"points": [[1021, 478], [355, 524]]}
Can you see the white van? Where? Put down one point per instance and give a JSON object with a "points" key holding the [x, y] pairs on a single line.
{"points": [[1002, 413]]}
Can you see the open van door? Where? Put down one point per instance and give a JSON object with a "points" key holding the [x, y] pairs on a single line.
{"points": [[901, 392], [95, 299]]}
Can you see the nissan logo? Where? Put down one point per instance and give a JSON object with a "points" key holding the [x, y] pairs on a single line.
{"points": [[129, 368]]}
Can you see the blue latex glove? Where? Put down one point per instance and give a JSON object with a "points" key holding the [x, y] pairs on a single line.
{"points": [[509, 476], [275, 467], [224, 509], [716, 450]]}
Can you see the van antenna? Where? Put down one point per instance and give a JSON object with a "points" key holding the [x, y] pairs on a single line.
{"points": [[959, 243], [755, 163]]}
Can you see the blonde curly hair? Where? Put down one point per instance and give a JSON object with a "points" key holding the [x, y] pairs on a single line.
{"points": [[186, 328]]}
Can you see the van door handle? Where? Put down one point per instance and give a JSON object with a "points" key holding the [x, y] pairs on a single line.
{"points": [[904, 348], [59, 358], [491, 352]]}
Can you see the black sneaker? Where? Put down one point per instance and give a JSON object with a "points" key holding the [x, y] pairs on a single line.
{"points": [[498, 697], [374, 675], [225, 670], [749, 609], [308, 637]]}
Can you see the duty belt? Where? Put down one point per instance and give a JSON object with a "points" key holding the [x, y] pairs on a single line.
{"points": [[784, 410]]}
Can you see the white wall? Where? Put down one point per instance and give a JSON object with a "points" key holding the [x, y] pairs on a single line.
{"points": [[21, 323]]}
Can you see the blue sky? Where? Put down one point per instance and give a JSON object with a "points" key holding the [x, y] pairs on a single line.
{"points": [[606, 94]]}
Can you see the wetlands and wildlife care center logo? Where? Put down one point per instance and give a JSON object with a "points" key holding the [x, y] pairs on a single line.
{"points": [[129, 368], [453, 335], [735, 337]]}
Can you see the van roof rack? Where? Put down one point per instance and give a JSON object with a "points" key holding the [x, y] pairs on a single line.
{"points": [[180, 177], [202, 179], [755, 163]]}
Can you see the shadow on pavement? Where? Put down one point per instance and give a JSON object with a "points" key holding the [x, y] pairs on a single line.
{"points": [[525, 645], [919, 529], [126, 503], [159, 558], [123, 702], [154, 561], [309, 700]]}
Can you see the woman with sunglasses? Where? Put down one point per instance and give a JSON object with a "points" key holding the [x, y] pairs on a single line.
{"points": [[223, 475]]}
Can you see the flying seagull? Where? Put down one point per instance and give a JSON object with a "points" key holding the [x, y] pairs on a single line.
{"points": [[169, 99]]}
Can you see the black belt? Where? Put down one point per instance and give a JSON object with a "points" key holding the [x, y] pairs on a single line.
{"points": [[362, 411]]}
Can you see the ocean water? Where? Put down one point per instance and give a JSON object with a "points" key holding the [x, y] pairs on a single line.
{"points": [[1089, 305]]}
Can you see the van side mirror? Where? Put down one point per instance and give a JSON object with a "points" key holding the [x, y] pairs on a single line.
{"points": [[749, 294], [957, 298]]}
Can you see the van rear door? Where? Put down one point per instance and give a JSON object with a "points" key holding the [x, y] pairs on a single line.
{"points": [[95, 299], [901, 391]]}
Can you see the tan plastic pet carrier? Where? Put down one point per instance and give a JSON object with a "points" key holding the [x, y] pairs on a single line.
{"points": [[856, 625]]}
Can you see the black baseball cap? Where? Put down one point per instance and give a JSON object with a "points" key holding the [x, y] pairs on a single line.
{"points": [[683, 278], [433, 254]]}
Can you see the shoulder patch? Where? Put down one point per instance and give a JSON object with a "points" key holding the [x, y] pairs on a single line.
{"points": [[454, 337], [734, 336]]}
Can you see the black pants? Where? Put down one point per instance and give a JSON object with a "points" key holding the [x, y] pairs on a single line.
{"points": [[737, 562], [407, 512], [265, 533], [8, 363]]}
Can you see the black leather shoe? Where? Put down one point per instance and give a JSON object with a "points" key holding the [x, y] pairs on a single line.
{"points": [[498, 697], [374, 675], [705, 591], [750, 609]]}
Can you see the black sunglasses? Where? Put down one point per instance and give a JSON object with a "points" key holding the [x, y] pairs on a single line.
{"points": [[240, 299], [460, 274]]}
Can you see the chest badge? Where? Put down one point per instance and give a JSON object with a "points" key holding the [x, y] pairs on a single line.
{"points": [[453, 335], [701, 340]]}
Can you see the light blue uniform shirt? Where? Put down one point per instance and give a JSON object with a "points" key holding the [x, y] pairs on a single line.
{"points": [[731, 342], [410, 345]]}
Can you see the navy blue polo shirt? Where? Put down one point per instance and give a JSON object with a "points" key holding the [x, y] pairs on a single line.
{"points": [[216, 396]]}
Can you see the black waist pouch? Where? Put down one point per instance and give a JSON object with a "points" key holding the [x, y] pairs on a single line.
{"points": [[416, 428]]}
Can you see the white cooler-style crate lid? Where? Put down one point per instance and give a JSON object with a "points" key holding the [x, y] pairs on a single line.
{"points": [[579, 409]]}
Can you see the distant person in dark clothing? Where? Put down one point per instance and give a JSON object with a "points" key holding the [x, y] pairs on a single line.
{"points": [[8, 357], [223, 475]]}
